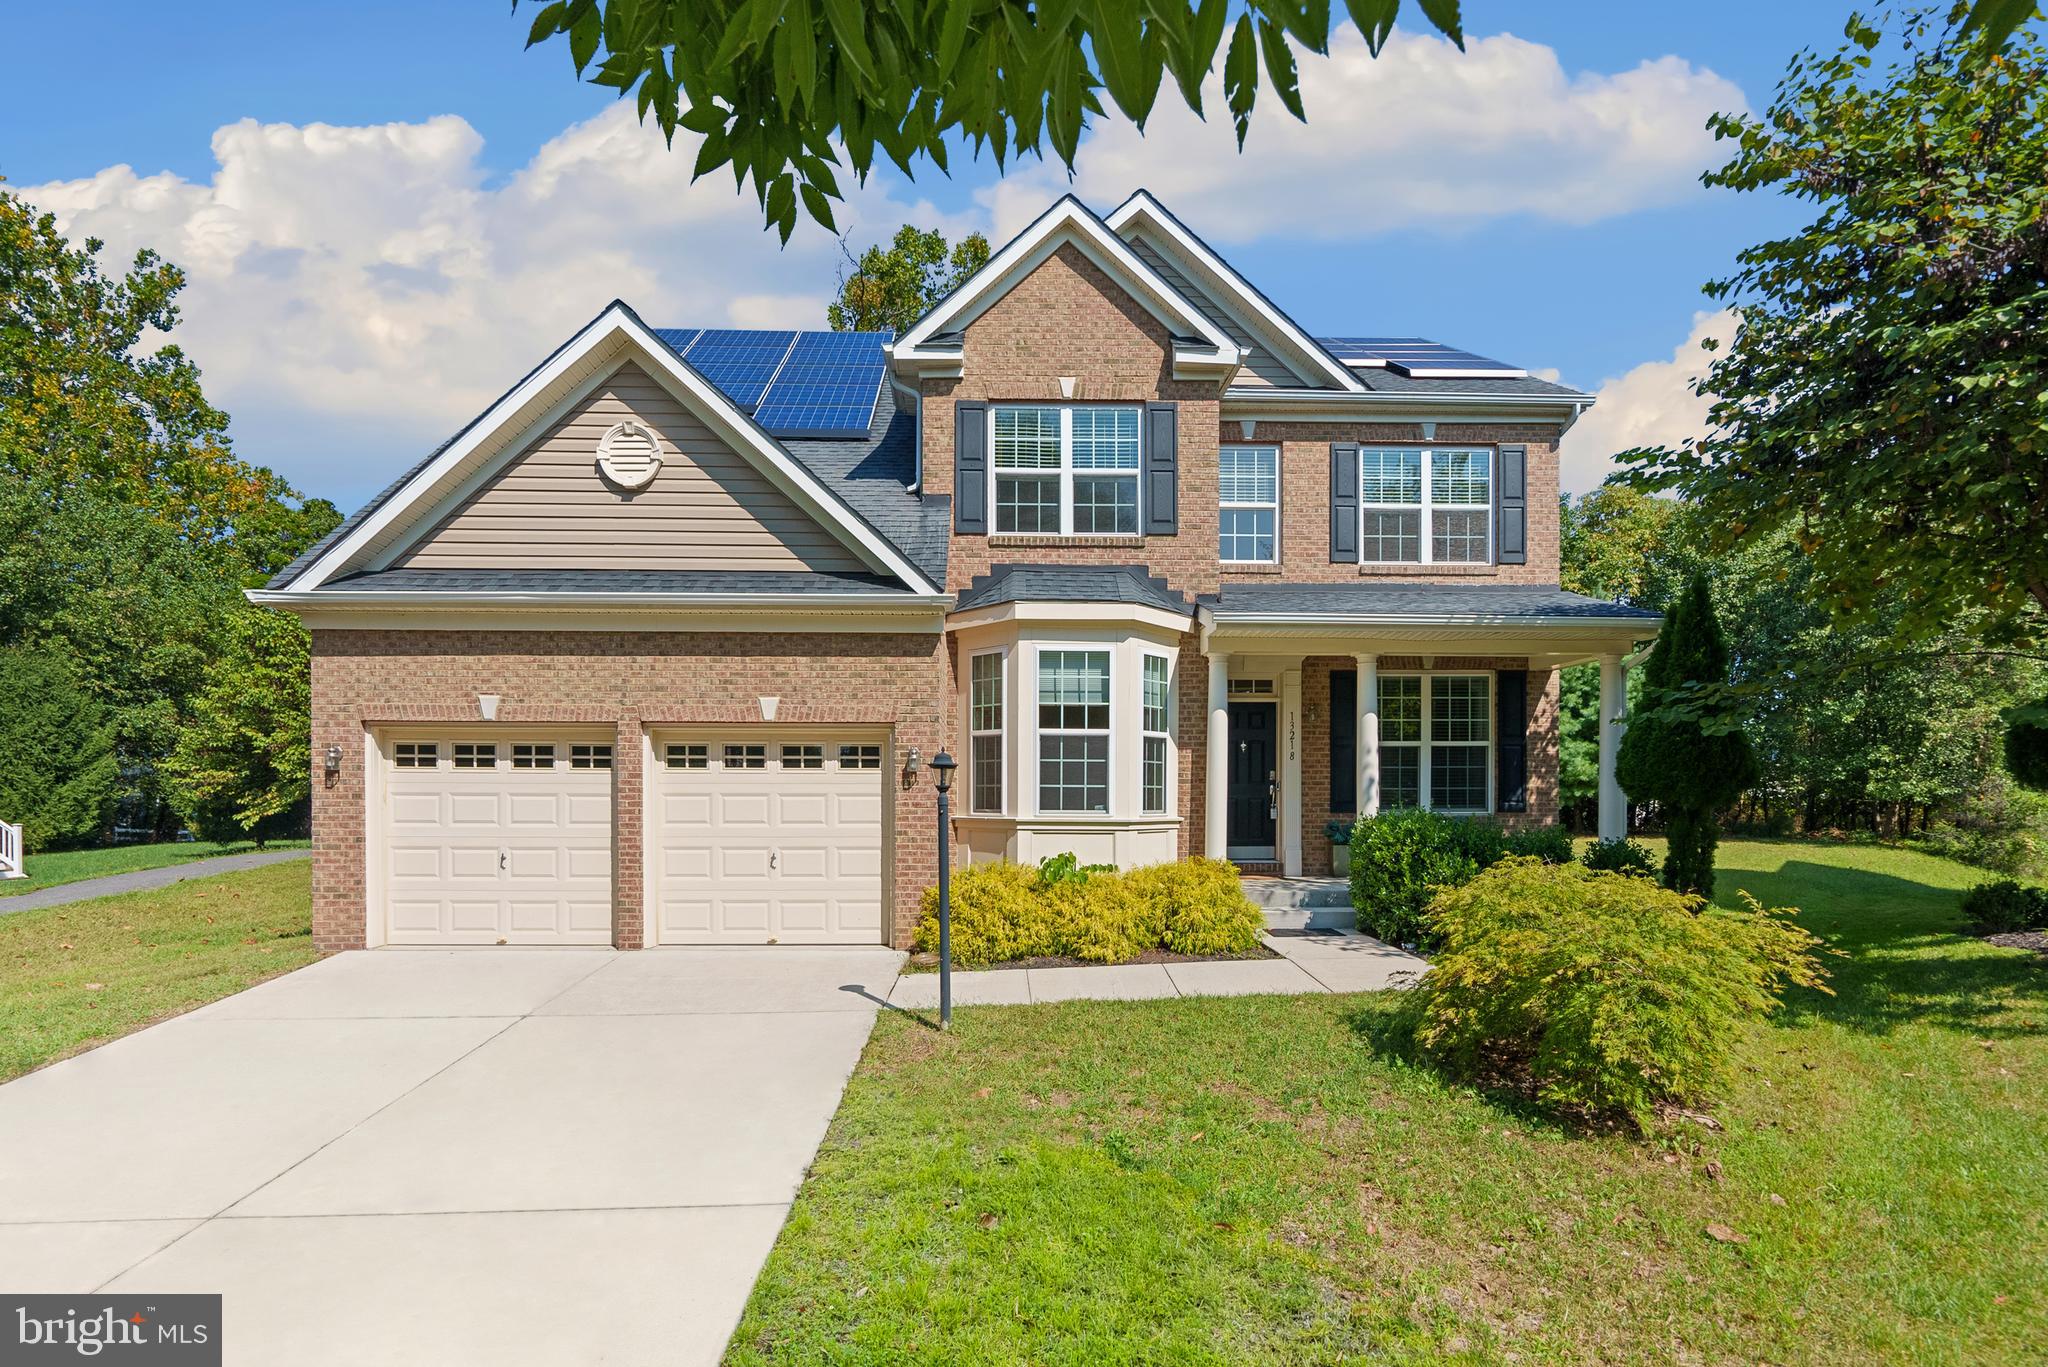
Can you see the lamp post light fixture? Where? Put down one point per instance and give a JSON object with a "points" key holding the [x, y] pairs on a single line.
{"points": [[943, 765]]}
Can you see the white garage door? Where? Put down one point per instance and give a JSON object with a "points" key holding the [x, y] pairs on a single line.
{"points": [[497, 840], [767, 841]]}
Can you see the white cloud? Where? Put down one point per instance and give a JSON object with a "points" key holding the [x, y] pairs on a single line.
{"points": [[1422, 135], [358, 292], [1651, 405]]}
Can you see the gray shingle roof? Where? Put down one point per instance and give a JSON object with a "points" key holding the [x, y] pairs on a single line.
{"points": [[1424, 602], [1387, 382], [1070, 584], [615, 581]]}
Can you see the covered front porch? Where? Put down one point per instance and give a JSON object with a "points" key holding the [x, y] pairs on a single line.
{"points": [[1334, 701]]}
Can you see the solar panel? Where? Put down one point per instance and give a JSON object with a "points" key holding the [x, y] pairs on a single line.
{"points": [[678, 339], [827, 387], [1418, 358], [740, 361]]}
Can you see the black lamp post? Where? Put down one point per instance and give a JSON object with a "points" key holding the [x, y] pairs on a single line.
{"points": [[943, 766]]}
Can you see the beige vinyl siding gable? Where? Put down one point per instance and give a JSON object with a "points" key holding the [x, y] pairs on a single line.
{"points": [[709, 508], [1261, 366]]}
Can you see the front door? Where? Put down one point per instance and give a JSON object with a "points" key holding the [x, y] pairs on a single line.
{"points": [[1252, 780]]}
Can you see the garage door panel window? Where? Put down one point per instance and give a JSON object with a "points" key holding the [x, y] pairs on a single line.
{"points": [[746, 757], [687, 756], [412, 754], [803, 756], [590, 757], [526, 756], [475, 756], [860, 756]]}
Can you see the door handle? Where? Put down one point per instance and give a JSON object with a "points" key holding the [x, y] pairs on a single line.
{"points": [[501, 859], [774, 858]]}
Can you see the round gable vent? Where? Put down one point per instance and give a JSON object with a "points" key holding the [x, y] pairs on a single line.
{"points": [[629, 455]]}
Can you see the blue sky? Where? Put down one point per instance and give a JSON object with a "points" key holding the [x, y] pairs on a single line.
{"points": [[281, 241]]}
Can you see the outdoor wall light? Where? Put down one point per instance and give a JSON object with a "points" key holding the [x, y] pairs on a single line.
{"points": [[912, 762], [332, 764]]}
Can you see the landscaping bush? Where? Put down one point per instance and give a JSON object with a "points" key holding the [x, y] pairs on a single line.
{"points": [[2005, 906], [1621, 855], [1551, 844], [1004, 911], [1202, 906], [1599, 991]]}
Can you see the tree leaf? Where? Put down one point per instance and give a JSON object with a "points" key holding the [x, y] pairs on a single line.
{"points": [[1375, 19], [546, 23], [819, 206], [1241, 76], [1280, 66], [583, 36]]}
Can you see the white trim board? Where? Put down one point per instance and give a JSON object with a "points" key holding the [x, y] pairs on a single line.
{"points": [[609, 341]]}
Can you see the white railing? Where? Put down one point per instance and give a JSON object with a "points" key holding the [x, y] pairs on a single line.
{"points": [[10, 852]]}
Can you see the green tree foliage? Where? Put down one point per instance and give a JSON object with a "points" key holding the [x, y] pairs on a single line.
{"points": [[1691, 765], [242, 761], [58, 773], [778, 89], [894, 288], [1882, 396]]}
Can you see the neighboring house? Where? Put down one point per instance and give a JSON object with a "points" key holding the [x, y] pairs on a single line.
{"points": [[653, 650]]}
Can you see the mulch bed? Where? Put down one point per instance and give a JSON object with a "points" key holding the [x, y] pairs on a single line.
{"points": [[929, 963], [2036, 940]]}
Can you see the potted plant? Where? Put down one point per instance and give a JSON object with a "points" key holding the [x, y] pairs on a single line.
{"points": [[1340, 847]]}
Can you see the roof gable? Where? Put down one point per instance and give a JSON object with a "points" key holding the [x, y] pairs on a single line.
{"points": [[448, 478], [1199, 342]]}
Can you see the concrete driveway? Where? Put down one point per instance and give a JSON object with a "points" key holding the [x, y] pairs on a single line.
{"points": [[447, 1157]]}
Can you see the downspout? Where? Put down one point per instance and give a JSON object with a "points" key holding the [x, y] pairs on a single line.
{"points": [[916, 412]]}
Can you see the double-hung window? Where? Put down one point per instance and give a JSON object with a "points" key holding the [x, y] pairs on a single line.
{"points": [[1426, 507], [1436, 741], [1248, 520], [985, 725], [1158, 710], [1066, 471], [1073, 731]]}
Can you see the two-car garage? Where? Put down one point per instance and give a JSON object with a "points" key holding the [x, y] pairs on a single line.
{"points": [[504, 835]]}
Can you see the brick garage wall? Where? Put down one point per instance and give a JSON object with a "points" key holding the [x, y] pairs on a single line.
{"points": [[1315, 773], [1305, 500], [627, 680]]}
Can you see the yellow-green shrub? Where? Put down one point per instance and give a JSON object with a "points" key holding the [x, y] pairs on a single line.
{"points": [[1200, 906], [1603, 991], [1105, 920], [997, 915]]}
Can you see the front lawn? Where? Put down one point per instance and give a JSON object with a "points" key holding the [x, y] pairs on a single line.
{"points": [[78, 975], [1266, 1180], [72, 866]]}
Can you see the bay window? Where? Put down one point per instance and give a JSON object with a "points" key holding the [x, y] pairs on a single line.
{"points": [[1065, 470], [985, 727], [1426, 506], [1073, 731], [1248, 517]]}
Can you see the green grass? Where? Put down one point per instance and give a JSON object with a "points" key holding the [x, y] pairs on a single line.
{"points": [[78, 975], [1245, 1180], [72, 866]]}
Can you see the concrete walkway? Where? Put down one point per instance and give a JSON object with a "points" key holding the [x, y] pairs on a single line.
{"points": [[142, 879], [1339, 961], [447, 1157]]}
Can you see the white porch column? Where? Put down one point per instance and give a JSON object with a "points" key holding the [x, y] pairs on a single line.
{"points": [[1613, 823], [1368, 736], [1216, 791], [1290, 773]]}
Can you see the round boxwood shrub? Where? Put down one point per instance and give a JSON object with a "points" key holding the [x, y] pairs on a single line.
{"points": [[1551, 844], [2004, 906], [1401, 857], [1621, 855], [1597, 991]]}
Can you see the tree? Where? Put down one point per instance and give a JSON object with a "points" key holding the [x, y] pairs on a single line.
{"points": [[1686, 763], [778, 90], [242, 760], [57, 768], [1882, 394], [893, 289], [92, 405]]}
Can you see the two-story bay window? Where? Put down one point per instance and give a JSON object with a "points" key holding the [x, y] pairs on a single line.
{"points": [[1073, 731], [1436, 741], [985, 725], [1426, 507], [1065, 470], [1248, 518], [1158, 711]]}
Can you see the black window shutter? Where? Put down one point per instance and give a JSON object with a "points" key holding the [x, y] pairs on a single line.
{"points": [[1511, 534], [1511, 743], [1162, 469], [1343, 740], [1343, 503], [970, 468]]}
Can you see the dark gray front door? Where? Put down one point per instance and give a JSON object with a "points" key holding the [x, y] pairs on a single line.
{"points": [[1252, 776]]}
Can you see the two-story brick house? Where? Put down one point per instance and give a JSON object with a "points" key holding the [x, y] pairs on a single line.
{"points": [[658, 648]]}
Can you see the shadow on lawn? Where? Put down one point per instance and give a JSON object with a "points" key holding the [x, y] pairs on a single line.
{"points": [[1908, 957]]}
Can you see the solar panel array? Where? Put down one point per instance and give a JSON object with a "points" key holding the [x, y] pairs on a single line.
{"points": [[807, 385], [1418, 358]]}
